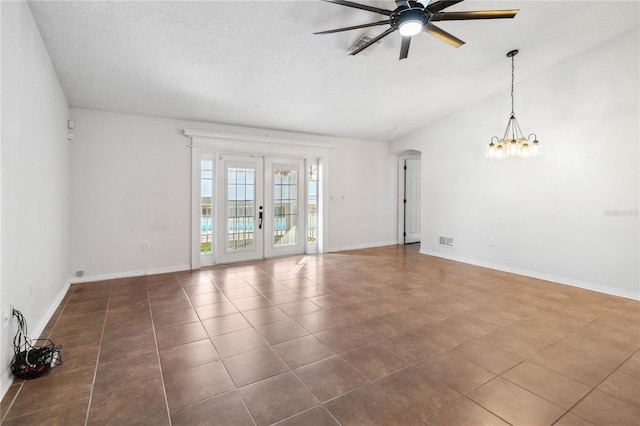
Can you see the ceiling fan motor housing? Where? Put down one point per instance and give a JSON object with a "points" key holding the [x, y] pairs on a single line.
{"points": [[414, 12]]}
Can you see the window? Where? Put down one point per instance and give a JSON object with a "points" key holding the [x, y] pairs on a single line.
{"points": [[312, 207], [206, 199]]}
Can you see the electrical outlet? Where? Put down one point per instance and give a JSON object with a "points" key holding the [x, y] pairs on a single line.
{"points": [[145, 245]]}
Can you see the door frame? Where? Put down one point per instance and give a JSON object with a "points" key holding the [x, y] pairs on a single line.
{"points": [[411, 155], [205, 143]]}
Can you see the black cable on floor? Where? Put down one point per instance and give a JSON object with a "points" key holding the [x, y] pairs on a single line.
{"points": [[29, 361]]}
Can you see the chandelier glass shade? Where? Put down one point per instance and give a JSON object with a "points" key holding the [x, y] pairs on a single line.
{"points": [[513, 143]]}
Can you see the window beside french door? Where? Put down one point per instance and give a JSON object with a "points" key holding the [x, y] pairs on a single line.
{"points": [[312, 206], [255, 207], [206, 211]]}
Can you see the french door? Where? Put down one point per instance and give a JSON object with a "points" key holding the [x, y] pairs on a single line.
{"points": [[260, 209]]}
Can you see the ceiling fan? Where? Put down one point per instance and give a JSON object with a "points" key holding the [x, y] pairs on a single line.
{"points": [[412, 17]]}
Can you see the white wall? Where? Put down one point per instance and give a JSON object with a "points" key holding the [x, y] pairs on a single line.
{"points": [[362, 196], [35, 180], [548, 216], [131, 181]]}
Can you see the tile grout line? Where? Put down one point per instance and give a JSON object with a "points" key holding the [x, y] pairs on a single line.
{"points": [[567, 411], [235, 388], [338, 355], [409, 365], [335, 355], [95, 371], [155, 341], [270, 346], [595, 388], [12, 401], [60, 314]]}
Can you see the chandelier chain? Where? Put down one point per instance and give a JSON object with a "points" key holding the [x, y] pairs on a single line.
{"points": [[513, 79]]}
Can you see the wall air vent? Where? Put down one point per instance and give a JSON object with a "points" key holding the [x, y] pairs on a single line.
{"points": [[445, 241]]}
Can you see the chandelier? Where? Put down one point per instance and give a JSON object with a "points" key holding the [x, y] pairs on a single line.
{"points": [[513, 143]]}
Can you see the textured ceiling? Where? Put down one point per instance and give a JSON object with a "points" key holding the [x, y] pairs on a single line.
{"points": [[257, 63]]}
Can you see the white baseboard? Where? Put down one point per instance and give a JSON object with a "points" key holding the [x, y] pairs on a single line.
{"points": [[539, 275], [128, 274], [362, 246]]}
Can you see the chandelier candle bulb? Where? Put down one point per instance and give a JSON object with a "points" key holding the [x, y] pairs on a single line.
{"points": [[535, 146], [513, 143], [513, 148], [491, 149]]}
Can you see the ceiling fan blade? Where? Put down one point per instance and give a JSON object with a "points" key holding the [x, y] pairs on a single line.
{"points": [[442, 4], [355, 27], [404, 48], [373, 40], [477, 14], [361, 6], [443, 35]]}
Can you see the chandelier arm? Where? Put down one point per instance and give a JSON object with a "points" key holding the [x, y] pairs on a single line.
{"points": [[506, 131], [518, 132]]}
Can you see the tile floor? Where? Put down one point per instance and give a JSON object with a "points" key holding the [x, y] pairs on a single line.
{"points": [[379, 336]]}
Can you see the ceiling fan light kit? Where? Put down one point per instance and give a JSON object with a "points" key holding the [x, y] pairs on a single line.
{"points": [[409, 21], [412, 17], [513, 143]]}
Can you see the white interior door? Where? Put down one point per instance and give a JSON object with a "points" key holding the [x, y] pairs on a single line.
{"points": [[240, 208], [284, 207], [412, 201]]}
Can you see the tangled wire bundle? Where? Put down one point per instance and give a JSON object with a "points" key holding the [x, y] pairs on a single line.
{"points": [[29, 361]]}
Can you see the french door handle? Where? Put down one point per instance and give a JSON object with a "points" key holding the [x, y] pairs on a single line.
{"points": [[260, 223]]}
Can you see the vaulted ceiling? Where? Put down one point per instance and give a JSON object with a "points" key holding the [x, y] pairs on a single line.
{"points": [[258, 63]]}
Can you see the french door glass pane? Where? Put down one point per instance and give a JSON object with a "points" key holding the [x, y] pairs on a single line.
{"points": [[206, 198], [240, 208], [285, 207]]}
